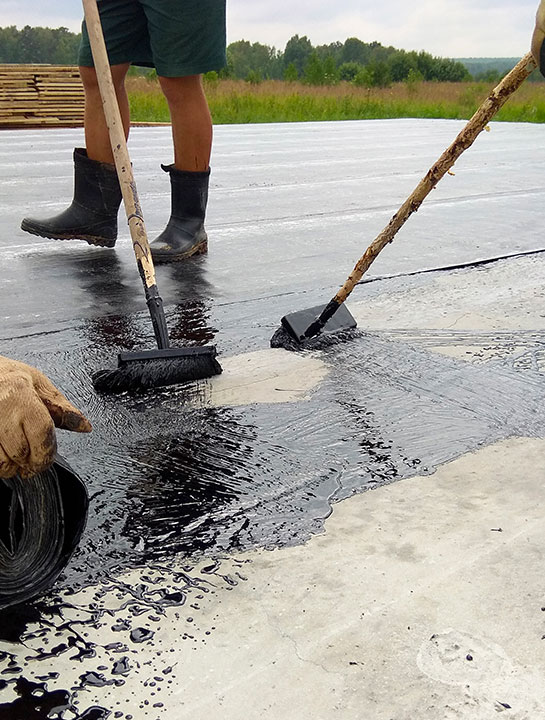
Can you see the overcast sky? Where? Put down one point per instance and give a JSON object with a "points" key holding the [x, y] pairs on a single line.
{"points": [[449, 28]]}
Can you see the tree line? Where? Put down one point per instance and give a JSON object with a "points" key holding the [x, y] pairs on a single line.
{"points": [[354, 61], [38, 45]]}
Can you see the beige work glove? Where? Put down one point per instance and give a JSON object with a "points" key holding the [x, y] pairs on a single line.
{"points": [[539, 36], [30, 408]]}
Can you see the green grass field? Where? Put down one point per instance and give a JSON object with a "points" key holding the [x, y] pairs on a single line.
{"points": [[273, 101]]}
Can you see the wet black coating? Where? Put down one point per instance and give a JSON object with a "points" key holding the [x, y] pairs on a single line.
{"points": [[166, 477], [171, 480], [283, 340]]}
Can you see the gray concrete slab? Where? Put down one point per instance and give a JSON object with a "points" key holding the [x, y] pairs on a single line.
{"points": [[421, 598]]}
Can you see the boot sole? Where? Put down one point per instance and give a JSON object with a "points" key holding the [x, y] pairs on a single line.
{"points": [[89, 239], [165, 256]]}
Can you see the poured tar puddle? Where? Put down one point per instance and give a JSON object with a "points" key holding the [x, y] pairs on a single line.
{"points": [[171, 483], [167, 477]]}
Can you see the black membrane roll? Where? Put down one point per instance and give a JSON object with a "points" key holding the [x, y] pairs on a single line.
{"points": [[41, 522]]}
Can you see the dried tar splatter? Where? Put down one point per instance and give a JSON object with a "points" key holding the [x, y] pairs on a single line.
{"points": [[35, 702], [105, 666], [94, 679], [14, 621], [121, 666], [140, 635]]}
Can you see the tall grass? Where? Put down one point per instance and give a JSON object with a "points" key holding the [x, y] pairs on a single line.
{"points": [[233, 101]]}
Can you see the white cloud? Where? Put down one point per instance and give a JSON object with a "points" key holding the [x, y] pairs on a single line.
{"points": [[452, 28], [61, 13]]}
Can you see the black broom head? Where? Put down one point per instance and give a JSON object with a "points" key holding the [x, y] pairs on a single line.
{"points": [[145, 370], [302, 330]]}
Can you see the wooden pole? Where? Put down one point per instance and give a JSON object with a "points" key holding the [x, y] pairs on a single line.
{"points": [[501, 93]]}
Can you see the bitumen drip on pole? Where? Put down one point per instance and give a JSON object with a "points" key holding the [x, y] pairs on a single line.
{"points": [[186, 483]]}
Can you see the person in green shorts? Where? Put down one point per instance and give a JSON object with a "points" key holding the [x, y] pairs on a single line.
{"points": [[182, 39]]}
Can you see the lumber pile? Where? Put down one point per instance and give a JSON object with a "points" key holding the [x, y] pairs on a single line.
{"points": [[40, 96]]}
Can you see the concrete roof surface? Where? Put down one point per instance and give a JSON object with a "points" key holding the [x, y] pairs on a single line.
{"points": [[352, 532]]}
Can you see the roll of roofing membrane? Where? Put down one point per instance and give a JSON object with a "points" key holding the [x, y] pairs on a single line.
{"points": [[41, 522]]}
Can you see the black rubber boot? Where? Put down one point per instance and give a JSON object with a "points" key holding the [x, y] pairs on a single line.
{"points": [[92, 216], [184, 234]]}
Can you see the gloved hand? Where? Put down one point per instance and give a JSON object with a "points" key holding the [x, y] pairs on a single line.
{"points": [[539, 36], [30, 408]]}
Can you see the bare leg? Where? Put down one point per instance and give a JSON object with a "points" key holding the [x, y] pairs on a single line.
{"points": [[191, 122], [97, 139]]}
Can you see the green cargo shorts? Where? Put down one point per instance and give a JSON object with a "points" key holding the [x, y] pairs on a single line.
{"points": [[176, 37]]}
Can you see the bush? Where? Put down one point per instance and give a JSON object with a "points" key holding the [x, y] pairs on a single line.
{"points": [[314, 70], [331, 74], [413, 81], [364, 78], [381, 74], [211, 78], [349, 70], [254, 77], [290, 73]]}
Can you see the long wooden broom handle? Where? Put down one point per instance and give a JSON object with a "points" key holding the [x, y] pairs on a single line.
{"points": [[119, 144], [511, 82]]}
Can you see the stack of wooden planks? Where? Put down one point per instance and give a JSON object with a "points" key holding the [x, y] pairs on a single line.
{"points": [[40, 96]]}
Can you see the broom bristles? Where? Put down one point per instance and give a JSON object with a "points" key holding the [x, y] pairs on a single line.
{"points": [[145, 371]]}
